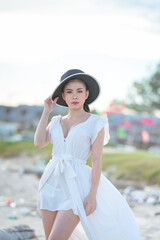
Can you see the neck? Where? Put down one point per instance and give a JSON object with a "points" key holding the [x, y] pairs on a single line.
{"points": [[76, 113]]}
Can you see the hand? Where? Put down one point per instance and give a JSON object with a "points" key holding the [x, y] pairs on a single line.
{"points": [[49, 104], [90, 204]]}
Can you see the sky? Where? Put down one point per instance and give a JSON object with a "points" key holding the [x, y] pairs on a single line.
{"points": [[116, 41]]}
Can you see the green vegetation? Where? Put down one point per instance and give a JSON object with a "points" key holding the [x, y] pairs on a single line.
{"points": [[143, 95], [138, 166], [13, 149]]}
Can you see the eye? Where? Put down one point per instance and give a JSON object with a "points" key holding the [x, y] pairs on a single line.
{"points": [[80, 91], [69, 92]]}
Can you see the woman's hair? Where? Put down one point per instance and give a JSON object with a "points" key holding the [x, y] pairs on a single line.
{"points": [[85, 106]]}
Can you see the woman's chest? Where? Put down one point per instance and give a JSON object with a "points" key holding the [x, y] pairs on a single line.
{"points": [[77, 135]]}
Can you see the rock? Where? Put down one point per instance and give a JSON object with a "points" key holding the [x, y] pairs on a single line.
{"points": [[25, 211], [19, 232], [147, 195], [151, 200], [157, 214]]}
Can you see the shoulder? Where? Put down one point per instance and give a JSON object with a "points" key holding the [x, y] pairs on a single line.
{"points": [[99, 122], [54, 119]]}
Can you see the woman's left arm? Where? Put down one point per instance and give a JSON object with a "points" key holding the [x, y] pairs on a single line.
{"points": [[96, 155]]}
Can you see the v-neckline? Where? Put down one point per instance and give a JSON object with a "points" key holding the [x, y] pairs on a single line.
{"points": [[60, 117]]}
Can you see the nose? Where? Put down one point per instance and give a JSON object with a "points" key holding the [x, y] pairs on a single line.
{"points": [[74, 95]]}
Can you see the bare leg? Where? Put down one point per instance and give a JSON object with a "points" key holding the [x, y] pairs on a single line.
{"points": [[48, 218], [64, 224]]}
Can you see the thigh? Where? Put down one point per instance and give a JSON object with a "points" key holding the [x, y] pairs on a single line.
{"points": [[64, 224], [48, 218]]}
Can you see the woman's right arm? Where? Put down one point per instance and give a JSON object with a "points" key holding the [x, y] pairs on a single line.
{"points": [[41, 137]]}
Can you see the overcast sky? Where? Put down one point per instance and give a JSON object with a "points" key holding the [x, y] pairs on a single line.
{"points": [[117, 41]]}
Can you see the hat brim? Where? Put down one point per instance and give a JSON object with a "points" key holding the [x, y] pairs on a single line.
{"points": [[93, 85]]}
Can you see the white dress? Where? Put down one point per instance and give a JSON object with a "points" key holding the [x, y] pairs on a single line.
{"points": [[66, 182]]}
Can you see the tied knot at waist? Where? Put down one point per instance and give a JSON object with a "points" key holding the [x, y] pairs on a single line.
{"points": [[62, 164]]}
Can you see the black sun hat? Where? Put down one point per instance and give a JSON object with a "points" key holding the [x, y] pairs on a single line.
{"points": [[91, 82]]}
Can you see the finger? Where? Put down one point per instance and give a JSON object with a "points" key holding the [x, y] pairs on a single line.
{"points": [[85, 204], [92, 209], [88, 209], [88, 213], [55, 100], [50, 100]]}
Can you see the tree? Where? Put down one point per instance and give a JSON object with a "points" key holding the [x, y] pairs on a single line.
{"points": [[145, 94]]}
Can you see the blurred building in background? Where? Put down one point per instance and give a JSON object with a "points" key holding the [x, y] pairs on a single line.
{"points": [[131, 128], [127, 127], [19, 123]]}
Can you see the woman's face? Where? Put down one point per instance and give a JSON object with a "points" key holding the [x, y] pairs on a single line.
{"points": [[75, 94]]}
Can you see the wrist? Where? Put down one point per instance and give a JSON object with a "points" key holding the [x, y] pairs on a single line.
{"points": [[46, 112], [93, 192]]}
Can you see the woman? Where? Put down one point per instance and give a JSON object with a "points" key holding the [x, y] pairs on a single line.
{"points": [[70, 192]]}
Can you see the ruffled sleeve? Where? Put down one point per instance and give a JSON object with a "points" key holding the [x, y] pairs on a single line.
{"points": [[101, 121], [52, 122]]}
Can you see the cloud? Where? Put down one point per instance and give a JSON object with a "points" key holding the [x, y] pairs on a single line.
{"points": [[71, 7], [33, 39]]}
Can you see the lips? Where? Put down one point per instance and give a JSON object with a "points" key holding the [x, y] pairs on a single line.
{"points": [[74, 103]]}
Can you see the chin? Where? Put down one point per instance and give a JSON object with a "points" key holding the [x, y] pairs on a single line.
{"points": [[77, 107]]}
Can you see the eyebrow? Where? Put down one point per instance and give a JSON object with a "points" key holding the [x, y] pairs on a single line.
{"points": [[72, 89]]}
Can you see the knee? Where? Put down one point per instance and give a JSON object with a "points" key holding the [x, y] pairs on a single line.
{"points": [[53, 237], [50, 237]]}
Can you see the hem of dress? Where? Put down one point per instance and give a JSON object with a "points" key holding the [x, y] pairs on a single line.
{"points": [[58, 209]]}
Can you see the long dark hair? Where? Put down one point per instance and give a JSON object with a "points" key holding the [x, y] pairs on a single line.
{"points": [[85, 106]]}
